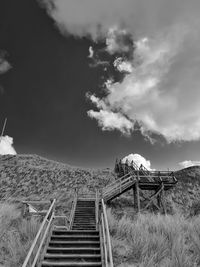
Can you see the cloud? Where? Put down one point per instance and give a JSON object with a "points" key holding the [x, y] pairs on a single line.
{"points": [[159, 42], [108, 120], [155, 92], [189, 163], [91, 52], [6, 146], [118, 41], [4, 67], [4, 64], [122, 65], [97, 18], [138, 159]]}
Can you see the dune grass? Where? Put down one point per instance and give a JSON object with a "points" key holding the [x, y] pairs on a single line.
{"points": [[16, 235], [151, 240]]}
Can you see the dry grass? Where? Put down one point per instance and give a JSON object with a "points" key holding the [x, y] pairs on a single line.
{"points": [[16, 237], [151, 240]]}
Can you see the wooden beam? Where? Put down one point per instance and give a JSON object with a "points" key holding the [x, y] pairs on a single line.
{"points": [[137, 196], [153, 197], [162, 199], [134, 197]]}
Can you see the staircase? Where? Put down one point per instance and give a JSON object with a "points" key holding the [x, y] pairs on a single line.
{"points": [[79, 246], [84, 217], [119, 186]]}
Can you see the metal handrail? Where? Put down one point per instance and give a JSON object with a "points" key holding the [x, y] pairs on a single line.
{"points": [[107, 253], [31, 259]]}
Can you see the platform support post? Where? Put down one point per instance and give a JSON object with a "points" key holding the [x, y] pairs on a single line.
{"points": [[136, 195], [162, 199], [159, 201]]}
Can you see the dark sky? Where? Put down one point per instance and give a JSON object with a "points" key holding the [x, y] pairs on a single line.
{"points": [[44, 96]]}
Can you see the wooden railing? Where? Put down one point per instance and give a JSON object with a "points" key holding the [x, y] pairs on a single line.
{"points": [[107, 259], [119, 185], [97, 209], [71, 218], [33, 255], [145, 175]]}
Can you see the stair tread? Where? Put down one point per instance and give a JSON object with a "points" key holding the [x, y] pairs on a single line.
{"points": [[55, 263], [77, 241], [77, 231], [51, 255], [74, 248], [77, 236]]}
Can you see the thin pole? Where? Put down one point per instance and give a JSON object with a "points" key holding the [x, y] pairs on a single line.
{"points": [[3, 129]]}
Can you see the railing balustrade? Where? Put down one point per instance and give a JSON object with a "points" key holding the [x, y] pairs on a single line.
{"points": [[32, 257], [107, 259]]}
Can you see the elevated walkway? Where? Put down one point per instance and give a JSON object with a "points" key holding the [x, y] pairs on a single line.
{"points": [[131, 176]]}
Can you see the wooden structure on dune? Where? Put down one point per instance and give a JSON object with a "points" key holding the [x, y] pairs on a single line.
{"points": [[148, 187]]}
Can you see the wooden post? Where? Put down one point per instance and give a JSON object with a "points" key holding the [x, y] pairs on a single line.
{"points": [[162, 198], [159, 201], [136, 192], [126, 166], [116, 170], [134, 196], [138, 196]]}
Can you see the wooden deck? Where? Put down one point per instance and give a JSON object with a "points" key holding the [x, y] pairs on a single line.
{"points": [[139, 179]]}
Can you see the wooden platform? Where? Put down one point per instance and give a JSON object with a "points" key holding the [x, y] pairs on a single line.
{"points": [[138, 178]]}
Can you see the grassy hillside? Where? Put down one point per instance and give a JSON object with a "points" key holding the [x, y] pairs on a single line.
{"points": [[144, 240], [34, 177], [186, 194]]}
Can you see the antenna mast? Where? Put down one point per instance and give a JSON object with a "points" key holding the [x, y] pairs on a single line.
{"points": [[3, 129]]}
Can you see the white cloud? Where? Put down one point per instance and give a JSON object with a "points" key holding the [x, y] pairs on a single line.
{"points": [[95, 18], [109, 120], [138, 159], [123, 65], [155, 93], [118, 40], [189, 163], [6, 146], [4, 64], [91, 52], [161, 90]]}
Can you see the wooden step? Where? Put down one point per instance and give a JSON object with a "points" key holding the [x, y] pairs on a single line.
{"points": [[71, 264], [83, 226], [74, 250], [73, 257], [72, 232], [75, 237], [78, 243]]}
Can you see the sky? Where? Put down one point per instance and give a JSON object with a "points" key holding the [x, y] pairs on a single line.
{"points": [[86, 83]]}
